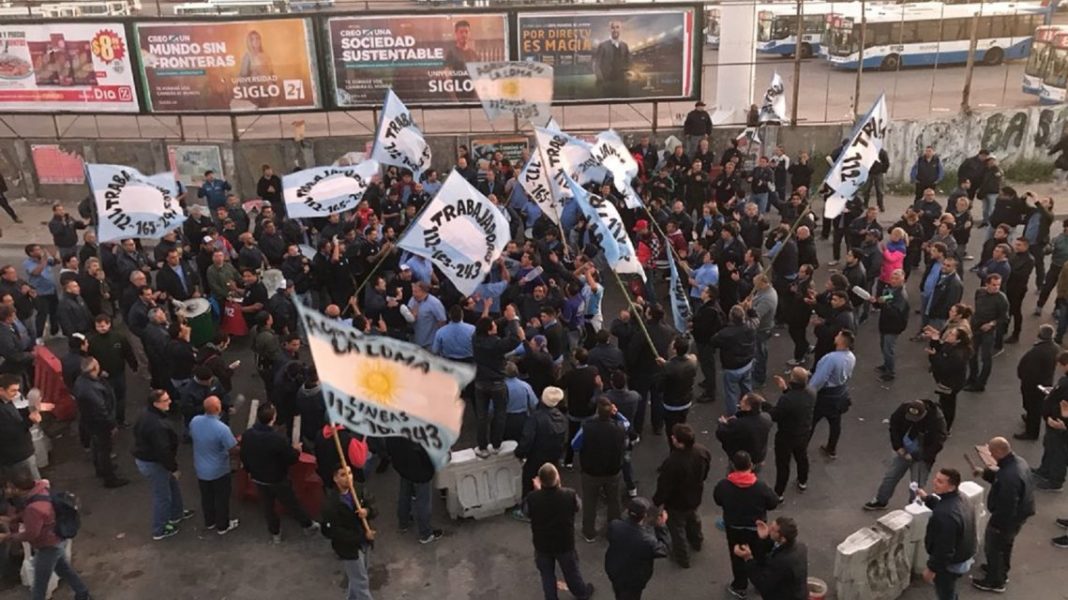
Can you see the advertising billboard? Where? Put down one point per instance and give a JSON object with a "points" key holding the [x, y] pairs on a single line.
{"points": [[423, 58], [66, 67], [645, 54], [238, 66]]}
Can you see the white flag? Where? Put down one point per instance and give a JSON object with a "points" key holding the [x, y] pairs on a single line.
{"points": [[132, 205], [383, 387], [461, 232], [563, 155], [851, 169], [773, 108], [614, 156], [322, 191], [520, 88], [536, 183], [399, 142], [606, 230]]}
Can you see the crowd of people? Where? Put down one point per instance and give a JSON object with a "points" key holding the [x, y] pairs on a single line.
{"points": [[567, 382]]}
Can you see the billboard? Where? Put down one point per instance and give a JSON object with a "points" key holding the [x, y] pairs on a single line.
{"points": [[238, 66], [642, 54], [66, 67], [56, 165], [188, 163], [423, 58]]}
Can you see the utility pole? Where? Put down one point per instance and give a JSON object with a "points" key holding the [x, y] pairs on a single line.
{"points": [[860, 66], [970, 67], [797, 65]]}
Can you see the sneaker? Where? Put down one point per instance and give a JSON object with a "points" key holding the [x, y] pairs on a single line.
{"points": [[801, 486], [186, 515], [632, 493], [881, 368], [782, 499], [637, 440], [168, 530], [1046, 486], [833, 263], [434, 536], [986, 586], [588, 539], [312, 529], [886, 376], [873, 505], [736, 592], [1060, 542], [1024, 436], [494, 450], [276, 538], [233, 525], [999, 351], [1062, 523], [569, 466], [828, 453], [518, 514], [793, 362], [482, 453]]}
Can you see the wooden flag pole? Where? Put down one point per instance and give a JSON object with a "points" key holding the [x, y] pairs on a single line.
{"points": [[634, 313], [355, 497]]}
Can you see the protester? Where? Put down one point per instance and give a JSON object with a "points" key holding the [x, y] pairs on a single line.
{"points": [[156, 455], [745, 501], [781, 571], [343, 524], [917, 435], [17, 455], [679, 489], [792, 415], [832, 395], [601, 443], [213, 443], [634, 544], [552, 509], [950, 539], [1010, 502], [96, 411], [544, 436], [1035, 371]]}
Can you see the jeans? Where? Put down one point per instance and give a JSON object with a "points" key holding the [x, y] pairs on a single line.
{"points": [[736, 382], [117, 381], [359, 582], [784, 450], [684, 527], [887, 341], [282, 492], [54, 559], [760, 359], [997, 545], [945, 585], [569, 566], [918, 470], [413, 500], [1054, 457], [761, 201], [984, 353], [486, 393], [988, 207], [166, 495], [592, 488], [215, 502]]}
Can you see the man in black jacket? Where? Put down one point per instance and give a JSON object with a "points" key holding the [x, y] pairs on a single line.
{"points": [[1022, 264], [781, 572], [893, 320], [343, 526], [737, 348], [600, 443], [679, 488], [74, 315], [746, 502], [552, 511], [747, 430], [96, 411], [16, 358], [676, 384], [64, 230], [489, 354], [793, 416], [544, 436], [1011, 501], [1037, 368], [267, 456], [155, 342], [831, 317], [156, 455], [972, 169], [950, 539], [1050, 474], [178, 279], [991, 314], [917, 435], [708, 320], [634, 544], [17, 454]]}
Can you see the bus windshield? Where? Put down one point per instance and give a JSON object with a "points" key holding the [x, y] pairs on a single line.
{"points": [[842, 42], [764, 23], [1036, 62], [1057, 75]]}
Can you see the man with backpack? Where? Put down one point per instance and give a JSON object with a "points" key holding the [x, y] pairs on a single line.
{"points": [[48, 520]]}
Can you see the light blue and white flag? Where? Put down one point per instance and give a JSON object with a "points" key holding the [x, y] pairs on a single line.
{"points": [[616, 158], [851, 169], [461, 232], [130, 204], [399, 142], [539, 187], [379, 386], [680, 304], [773, 108], [322, 191], [564, 155], [606, 229], [520, 88]]}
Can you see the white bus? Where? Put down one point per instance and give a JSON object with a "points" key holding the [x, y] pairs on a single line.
{"points": [[227, 7], [777, 26], [1055, 80], [933, 33], [1038, 60]]}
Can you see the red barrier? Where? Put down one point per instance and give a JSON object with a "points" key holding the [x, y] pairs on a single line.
{"points": [[306, 484], [48, 377]]}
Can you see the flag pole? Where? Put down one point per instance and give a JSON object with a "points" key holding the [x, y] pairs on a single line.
{"points": [[634, 313], [559, 224], [355, 497]]}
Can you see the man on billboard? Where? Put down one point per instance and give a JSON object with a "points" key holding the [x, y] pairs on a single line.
{"points": [[456, 59], [611, 61]]}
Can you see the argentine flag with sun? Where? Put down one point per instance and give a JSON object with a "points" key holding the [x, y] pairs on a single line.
{"points": [[520, 88], [379, 386]]}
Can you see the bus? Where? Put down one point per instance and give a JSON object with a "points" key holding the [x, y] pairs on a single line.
{"points": [[934, 33], [1056, 77], [1038, 60], [227, 7], [777, 26]]}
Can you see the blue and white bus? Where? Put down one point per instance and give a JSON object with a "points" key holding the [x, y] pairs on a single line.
{"points": [[1039, 60], [777, 26], [934, 33], [1056, 76]]}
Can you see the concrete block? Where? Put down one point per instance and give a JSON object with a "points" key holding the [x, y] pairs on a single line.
{"points": [[480, 488], [873, 563], [917, 532], [975, 495], [42, 446]]}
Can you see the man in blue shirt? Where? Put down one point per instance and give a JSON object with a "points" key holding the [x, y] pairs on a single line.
{"points": [[212, 444], [453, 341], [428, 314], [829, 382], [214, 190], [521, 402], [38, 267], [422, 269]]}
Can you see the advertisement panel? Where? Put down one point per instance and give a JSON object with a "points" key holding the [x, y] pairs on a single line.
{"points": [[57, 166], [238, 66], [188, 163], [642, 54], [510, 147], [423, 58], [66, 67]]}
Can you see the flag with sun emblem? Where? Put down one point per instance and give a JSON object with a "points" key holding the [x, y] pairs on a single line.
{"points": [[520, 88], [379, 386]]}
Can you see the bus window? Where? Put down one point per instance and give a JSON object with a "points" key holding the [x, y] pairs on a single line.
{"points": [[954, 30], [910, 32], [878, 34], [929, 31], [813, 24]]}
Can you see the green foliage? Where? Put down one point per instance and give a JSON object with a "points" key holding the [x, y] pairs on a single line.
{"points": [[1029, 171]]}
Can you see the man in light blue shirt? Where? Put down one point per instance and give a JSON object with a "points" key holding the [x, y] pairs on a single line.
{"points": [[521, 402], [212, 443], [422, 269], [453, 341], [829, 382], [214, 191], [428, 314], [38, 268], [705, 275]]}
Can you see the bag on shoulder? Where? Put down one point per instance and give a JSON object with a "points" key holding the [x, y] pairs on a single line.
{"points": [[66, 507]]}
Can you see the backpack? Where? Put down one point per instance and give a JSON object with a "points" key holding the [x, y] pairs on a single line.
{"points": [[65, 505]]}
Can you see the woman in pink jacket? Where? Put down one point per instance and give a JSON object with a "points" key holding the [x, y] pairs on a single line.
{"points": [[894, 250]]}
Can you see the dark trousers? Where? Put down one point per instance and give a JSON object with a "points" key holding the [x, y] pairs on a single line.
{"points": [[945, 585], [627, 593], [834, 422], [839, 235], [642, 386], [1049, 283], [875, 181], [797, 334], [785, 449], [47, 309], [1054, 457], [671, 418], [684, 527], [282, 492], [984, 343], [573, 427], [117, 381], [749, 537], [569, 567], [706, 359], [1032, 405], [656, 408], [7, 207], [1016, 299], [593, 487], [997, 544], [513, 425], [215, 502], [1038, 252], [101, 444], [948, 402], [497, 394]]}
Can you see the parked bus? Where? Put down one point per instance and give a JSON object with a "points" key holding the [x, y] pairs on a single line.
{"points": [[1056, 77], [1038, 61], [933, 33], [777, 26]]}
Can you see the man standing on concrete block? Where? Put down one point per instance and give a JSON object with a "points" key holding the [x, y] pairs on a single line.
{"points": [[917, 434], [950, 540], [1011, 502]]}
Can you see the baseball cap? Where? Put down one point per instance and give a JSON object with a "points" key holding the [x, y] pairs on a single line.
{"points": [[405, 268], [915, 410], [637, 508]]}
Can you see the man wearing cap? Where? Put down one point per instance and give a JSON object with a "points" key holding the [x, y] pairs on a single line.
{"points": [[696, 127], [634, 543], [1036, 368], [917, 435], [544, 435]]}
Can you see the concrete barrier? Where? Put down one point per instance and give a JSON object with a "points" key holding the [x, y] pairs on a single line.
{"points": [[481, 487]]}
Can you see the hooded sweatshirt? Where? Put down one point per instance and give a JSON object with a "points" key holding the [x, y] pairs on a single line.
{"points": [[744, 499], [38, 520]]}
